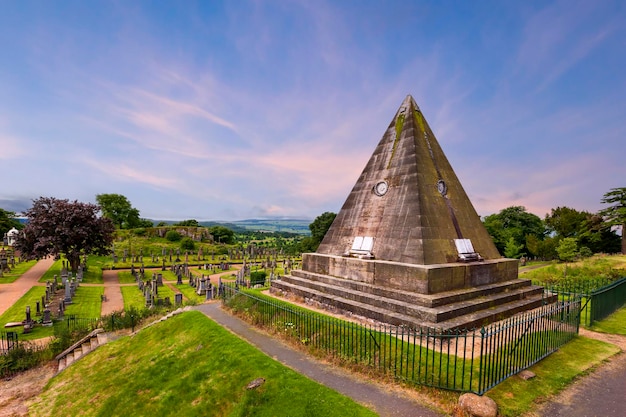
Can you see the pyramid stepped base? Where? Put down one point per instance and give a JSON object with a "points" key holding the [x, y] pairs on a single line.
{"points": [[458, 309]]}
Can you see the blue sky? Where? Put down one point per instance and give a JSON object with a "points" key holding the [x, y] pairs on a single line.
{"points": [[229, 110]]}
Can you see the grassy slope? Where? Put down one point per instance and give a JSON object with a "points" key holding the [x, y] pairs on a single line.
{"points": [[203, 370]]}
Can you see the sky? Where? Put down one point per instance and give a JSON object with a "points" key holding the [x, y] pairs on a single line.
{"points": [[230, 110]]}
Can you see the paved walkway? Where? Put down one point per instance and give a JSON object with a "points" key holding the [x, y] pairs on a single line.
{"points": [[382, 401], [601, 393], [112, 293], [10, 293]]}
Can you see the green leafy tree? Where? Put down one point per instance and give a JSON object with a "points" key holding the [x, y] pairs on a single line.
{"points": [[512, 249], [58, 227], [320, 226], [188, 223], [565, 221], [117, 208], [187, 243], [597, 236], [615, 215], [145, 223], [567, 249], [222, 234], [8, 222], [514, 222], [173, 236], [307, 245]]}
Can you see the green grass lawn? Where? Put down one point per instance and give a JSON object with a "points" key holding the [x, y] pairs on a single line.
{"points": [[615, 323], [133, 297], [55, 269], [201, 370], [87, 302], [16, 272], [125, 277], [190, 293], [17, 313], [516, 396]]}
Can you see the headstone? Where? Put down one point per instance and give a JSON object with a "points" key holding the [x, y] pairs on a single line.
{"points": [[178, 298], [47, 321], [28, 320], [68, 293]]}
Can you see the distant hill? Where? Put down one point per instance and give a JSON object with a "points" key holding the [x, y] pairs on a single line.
{"points": [[299, 226]]}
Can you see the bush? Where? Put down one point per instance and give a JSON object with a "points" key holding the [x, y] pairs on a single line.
{"points": [[23, 357], [257, 278], [173, 236], [187, 243]]}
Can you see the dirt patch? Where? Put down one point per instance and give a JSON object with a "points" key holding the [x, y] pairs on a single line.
{"points": [[16, 391]]}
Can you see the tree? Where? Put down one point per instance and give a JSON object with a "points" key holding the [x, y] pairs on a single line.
{"points": [[187, 243], [117, 208], [58, 227], [173, 236], [514, 222], [615, 215], [565, 221], [189, 223], [512, 249], [597, 236], [567, 249], [320, 226], [222, 234], [8, 221]]}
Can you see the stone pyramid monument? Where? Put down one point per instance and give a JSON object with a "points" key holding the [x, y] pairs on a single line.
{"points": [[407, 247]]}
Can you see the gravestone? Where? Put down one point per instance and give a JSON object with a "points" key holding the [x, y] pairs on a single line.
{"points": [[178, 298], [407, 246], [47, 320]]}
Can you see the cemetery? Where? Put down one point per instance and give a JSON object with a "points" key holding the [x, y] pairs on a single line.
{"points": [[406, 286]]}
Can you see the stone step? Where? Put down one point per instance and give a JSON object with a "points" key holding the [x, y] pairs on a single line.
{"points": [[61, 365], [81, 348], [102, 338], [501, 312], [426, 300], [78, 353], [94, 343], [420, 316], [479, 301]]}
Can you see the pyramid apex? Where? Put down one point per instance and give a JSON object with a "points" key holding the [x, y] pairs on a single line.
{"points": [[407, 105], [408, 203]]}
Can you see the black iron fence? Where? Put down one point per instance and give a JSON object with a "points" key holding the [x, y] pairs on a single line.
{"points": [[460, 360], [112, 322], [600, 297], [606, 300], [8, 341]]}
